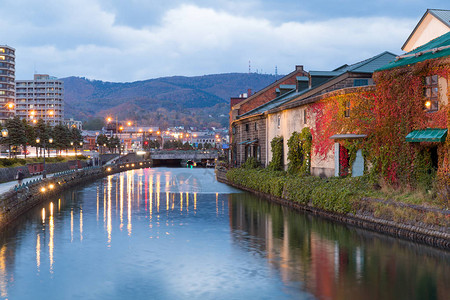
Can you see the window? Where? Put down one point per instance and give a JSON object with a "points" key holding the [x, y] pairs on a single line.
{"points": [[279, 122], [2, 57], [256, 126], [431, 93], [347, 109], [247, 127], [234, 130], [360, 82], [305, 116]]}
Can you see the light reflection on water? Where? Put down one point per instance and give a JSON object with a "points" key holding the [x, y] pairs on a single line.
{"points": [[178, 234]]}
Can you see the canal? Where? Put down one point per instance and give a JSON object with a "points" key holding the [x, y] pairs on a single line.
{"points": [[173, 233]]}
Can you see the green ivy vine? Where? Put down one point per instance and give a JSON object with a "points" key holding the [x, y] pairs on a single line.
{"points": [[299, 153], [276, 164]]}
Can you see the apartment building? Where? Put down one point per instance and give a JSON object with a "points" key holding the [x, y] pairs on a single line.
{"points": [[7, 85], [41, 98]]}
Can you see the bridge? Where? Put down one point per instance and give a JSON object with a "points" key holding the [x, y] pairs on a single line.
{"points": [[182, 157]]}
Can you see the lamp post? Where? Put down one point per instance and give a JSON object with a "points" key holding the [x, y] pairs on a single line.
{"points": [[38, 140], [5, 135]]}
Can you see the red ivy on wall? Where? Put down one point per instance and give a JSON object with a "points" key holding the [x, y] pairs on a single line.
{"points": [[386, 115]]}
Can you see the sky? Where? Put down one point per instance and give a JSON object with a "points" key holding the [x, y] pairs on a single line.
{"points": [[131, 40]]}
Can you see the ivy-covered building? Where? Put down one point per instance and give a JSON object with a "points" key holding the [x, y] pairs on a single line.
{"points": [[247, 126], [398, 130]]}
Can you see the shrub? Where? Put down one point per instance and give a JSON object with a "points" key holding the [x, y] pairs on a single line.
{"points": [[251, 163]]}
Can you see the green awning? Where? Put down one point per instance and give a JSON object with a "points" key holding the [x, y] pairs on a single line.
{"points": [[427, 135]]}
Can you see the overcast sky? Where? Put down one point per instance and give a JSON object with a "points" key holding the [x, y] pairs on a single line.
{"points": [[129, 40]]}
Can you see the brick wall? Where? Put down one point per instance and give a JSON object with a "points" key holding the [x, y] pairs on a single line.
{"points": [[247, 131]]}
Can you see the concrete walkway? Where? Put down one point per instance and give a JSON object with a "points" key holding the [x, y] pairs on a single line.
{"points": [[7, 186]]}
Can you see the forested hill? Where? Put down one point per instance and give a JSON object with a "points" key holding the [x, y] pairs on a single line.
{"points": [[167, 101]]}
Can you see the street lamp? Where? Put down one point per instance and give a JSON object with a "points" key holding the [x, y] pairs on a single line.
{"points": [[76, 157], [38, 140], [5, 135]]}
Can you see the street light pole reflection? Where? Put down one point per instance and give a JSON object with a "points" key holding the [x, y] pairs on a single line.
{"points": [[38, 252], [122, 187], [129, 194], [51, 242], [109, 208]]}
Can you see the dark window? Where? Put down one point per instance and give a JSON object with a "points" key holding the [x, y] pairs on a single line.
{"points": [[246, 127], [360, 82], [234, 130], [256, 126], [305, 116], [347, 109], [431, 93]]}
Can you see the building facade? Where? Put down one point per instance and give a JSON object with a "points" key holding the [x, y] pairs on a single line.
{"points": [[40, 98], [7, 82]]}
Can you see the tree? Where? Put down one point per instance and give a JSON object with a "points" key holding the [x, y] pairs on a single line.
{"points": [[102, 141], [187, 146], [16, 134], [61, 137], [114, 144], [76, 136], [30, 135]]}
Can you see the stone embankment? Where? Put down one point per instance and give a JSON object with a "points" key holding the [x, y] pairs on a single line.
{"points": [[420, 232], [20, 199]]}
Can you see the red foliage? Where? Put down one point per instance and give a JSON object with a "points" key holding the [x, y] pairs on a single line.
{"points": [[386, 114]]}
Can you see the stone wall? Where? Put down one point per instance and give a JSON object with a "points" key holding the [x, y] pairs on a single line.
{"points": [[429, 235]]}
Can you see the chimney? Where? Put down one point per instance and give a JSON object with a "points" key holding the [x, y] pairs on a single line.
{"points": [[299, 68], [249, 92]]}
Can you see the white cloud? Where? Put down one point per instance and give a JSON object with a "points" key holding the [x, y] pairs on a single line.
{"points": [[82, 39]]}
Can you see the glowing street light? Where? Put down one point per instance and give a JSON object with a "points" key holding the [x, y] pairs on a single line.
{"points": [[129, 123], [38, 141], [109, 119]]}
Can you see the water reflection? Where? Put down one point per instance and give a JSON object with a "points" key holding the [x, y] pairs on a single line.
{"points": [[336, 262], [164, 234]]}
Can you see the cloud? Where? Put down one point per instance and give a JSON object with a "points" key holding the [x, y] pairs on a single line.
{"points": [[85, 38]]}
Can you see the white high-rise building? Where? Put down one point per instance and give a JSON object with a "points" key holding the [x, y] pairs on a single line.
{"points": [[7, 78], [41, 98]]}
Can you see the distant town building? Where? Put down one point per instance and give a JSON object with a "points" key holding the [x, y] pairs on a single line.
{"points": [[71, 123], [41, 98], [7, 82]]}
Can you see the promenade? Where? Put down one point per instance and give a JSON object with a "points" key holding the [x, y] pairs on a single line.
{"points": [[7, 186]]}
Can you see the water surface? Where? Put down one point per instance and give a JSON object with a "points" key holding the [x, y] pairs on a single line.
{"points": [[179, 234]]}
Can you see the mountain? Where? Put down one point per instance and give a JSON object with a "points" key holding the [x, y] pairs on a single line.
{"points": [[166, 101]]}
